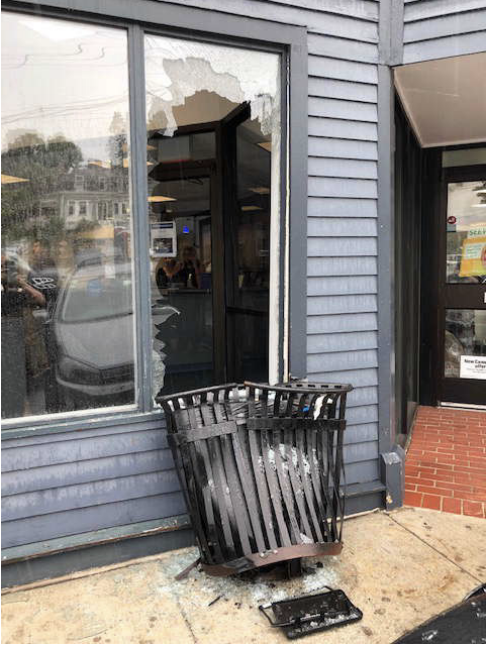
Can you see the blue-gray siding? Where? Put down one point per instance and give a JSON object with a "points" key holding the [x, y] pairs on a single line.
{"points": [[82, 480], [435, 29]]}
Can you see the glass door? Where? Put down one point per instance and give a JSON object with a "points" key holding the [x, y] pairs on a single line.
{"points": [[463, 288]]}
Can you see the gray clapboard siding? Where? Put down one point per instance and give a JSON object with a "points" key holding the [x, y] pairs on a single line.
{"points": [[351, 207], [362, 471], [368, 9], [362, 415], [77, 473], [341, 305], [356, 433], [323, 266], [355, 246], [357, 378], [342, 48], [444, 47], [448, 25], [342, 227], [82, 520], [342, 342], [339, 286], [342, 168], [326, 127], [85, 495], [362, 451], [433, 8], [329, 20], [346, 148], [341, 187], [53, 453], [338, 89], [83, 479], [435, 29], [337, 323], [346, 341], [349, 360], [342, 108], [362, 396], [365, 73]]}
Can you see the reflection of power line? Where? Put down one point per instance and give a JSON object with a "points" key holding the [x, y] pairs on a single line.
{"points": [[56, 59], [64, 109]]}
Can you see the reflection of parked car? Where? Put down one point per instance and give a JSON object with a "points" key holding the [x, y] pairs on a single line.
{"points": [[93, 328]]}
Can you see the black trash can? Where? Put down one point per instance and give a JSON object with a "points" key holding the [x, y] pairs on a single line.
{"points": [[261, 468]]}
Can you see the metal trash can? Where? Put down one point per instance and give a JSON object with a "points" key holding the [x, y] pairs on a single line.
{"points": [[261, 468]]}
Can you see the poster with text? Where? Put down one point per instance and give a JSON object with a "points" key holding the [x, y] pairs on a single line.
{"points": [[163, 239]]}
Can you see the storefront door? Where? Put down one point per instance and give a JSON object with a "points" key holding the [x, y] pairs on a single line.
{"points": [[462, 287]]}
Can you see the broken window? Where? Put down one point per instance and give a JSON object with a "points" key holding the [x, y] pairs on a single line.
{"points": [[213, 161]]}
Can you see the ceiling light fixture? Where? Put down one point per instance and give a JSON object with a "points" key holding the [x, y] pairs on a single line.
{"points": [[13, 179], [265, 145], [160, 199]]}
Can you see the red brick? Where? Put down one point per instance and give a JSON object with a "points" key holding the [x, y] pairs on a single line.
{"points": [[411, 470], [461, 494], [432, 502], [452, 505], [413, 499], [440, 457], [433, 490], [419, 480], [479, 493], [427, 473], [480, 464], [478, 481], [453, 486], [473, 508]]}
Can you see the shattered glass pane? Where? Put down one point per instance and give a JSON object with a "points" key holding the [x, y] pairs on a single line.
{"points": [[213, 162]]}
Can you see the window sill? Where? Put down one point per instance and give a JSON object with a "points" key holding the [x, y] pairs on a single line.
{"points": [[73, 422]]}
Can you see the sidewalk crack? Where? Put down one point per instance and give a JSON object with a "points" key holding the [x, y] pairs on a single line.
{"points": [[479, 580]]}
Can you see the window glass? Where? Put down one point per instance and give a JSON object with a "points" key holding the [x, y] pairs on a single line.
{"points": [[213, 162], [67, 316], [466, 232], [465, 343]]}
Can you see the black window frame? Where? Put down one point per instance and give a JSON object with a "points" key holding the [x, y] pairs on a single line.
{"points": [[159, 18]]}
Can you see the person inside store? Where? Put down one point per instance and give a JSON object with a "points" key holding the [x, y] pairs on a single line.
{"points": [[41, 350], [185, 273]]}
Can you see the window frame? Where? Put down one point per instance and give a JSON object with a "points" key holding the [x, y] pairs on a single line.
{"points": [[290, 42]]}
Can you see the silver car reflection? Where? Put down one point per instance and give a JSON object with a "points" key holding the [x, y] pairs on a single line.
{"points": [[93, 326]]}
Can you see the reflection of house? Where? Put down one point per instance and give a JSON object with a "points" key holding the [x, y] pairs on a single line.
{"points": [[93, 193]]}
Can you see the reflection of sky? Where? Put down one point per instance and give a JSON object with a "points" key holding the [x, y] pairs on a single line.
{"points": [[67, 78], [464, 204], [176, 69]]}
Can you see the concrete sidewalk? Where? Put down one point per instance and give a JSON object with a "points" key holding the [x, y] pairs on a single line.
{"points": [[399, 569]]}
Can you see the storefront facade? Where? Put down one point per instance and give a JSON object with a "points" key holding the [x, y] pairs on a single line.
{"points": [[194, 194]]}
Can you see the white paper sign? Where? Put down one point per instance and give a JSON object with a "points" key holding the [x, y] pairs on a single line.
{"points": [[163, 239], [473, 367]]}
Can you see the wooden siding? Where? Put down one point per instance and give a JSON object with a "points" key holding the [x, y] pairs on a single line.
{"points": [[435, 29], [73, 482]]}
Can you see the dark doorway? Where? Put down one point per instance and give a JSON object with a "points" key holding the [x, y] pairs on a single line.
{"points": [[217, 207], [440, 287]]}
